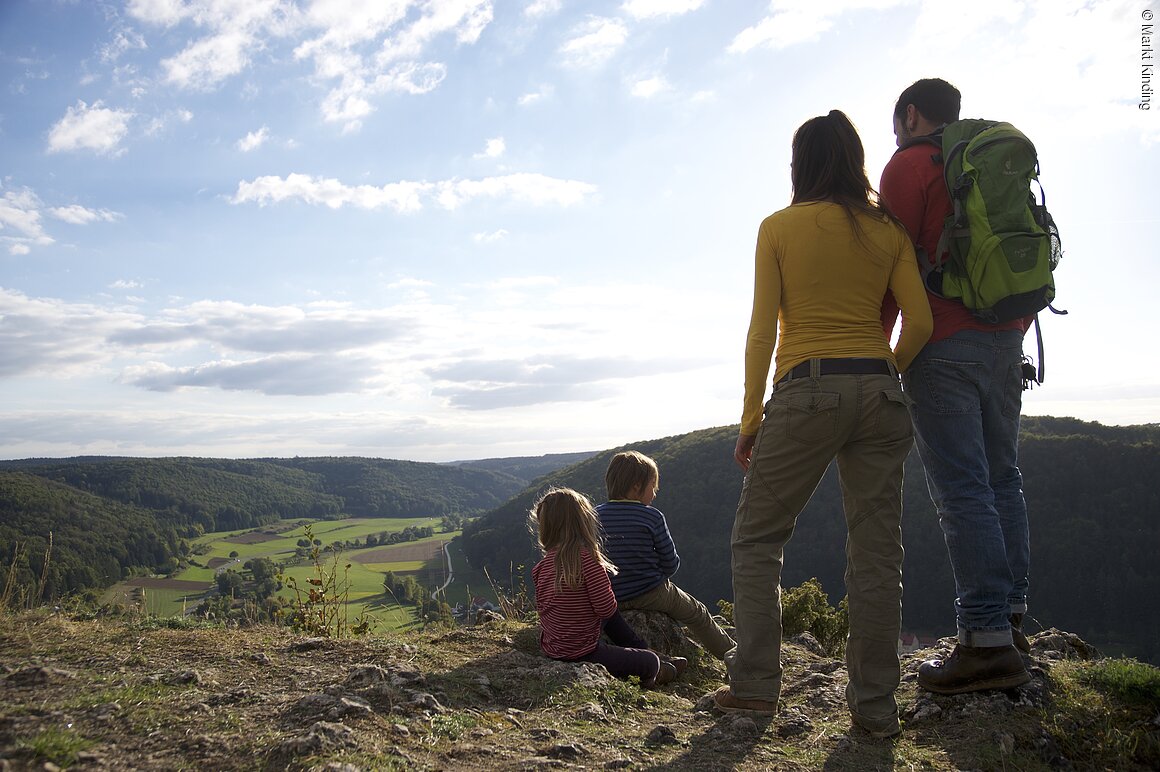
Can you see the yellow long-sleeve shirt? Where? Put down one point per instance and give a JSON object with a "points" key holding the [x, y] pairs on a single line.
{"points": [[824, 283]]}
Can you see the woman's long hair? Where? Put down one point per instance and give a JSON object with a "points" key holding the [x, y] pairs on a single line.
{"points": [[829, 164], [566, 521]]}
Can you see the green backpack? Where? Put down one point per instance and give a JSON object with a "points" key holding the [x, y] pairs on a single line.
{"points": [[1002, 244]]}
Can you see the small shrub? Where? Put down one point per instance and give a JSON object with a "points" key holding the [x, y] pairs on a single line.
{"points": [[806, 608], [319, 607]]}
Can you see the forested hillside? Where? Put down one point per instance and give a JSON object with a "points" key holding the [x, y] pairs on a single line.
{"points": [[1092, 501], [95, 541], [114, 517], [528, 468], [378, 487]]}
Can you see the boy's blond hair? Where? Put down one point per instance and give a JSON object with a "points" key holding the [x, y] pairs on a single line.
{"points": [[566, 521], [629, 472]]}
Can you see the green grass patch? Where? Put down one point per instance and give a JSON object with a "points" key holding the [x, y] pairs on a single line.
{"points": [[1103, 712], [1132, 682], [59, 746]]}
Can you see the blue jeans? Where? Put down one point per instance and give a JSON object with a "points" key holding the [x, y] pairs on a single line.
{"points": [[968, 391]]}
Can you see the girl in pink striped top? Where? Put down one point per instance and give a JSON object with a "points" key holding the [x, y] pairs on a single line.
{"points": [[574, 595]]}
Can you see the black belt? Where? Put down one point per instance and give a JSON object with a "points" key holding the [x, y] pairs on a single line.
{"points": [[839, 367]]}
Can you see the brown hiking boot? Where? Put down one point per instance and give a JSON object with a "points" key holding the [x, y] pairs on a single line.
{"points": [[1017, 636], [973, 669], [727, 701]]}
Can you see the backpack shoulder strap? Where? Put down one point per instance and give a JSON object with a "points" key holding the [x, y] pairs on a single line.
{"points": [[934, 140]]}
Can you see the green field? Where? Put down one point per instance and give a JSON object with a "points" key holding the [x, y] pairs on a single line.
{"points": [[362, 582]]}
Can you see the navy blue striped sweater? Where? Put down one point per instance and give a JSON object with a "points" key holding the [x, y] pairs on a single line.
{"points": [[637, 540]]}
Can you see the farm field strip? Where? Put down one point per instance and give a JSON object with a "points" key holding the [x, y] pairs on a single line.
{"points": [[171, 596]]}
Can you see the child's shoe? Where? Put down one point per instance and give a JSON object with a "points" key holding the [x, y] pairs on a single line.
{"points": [[666, 675]]}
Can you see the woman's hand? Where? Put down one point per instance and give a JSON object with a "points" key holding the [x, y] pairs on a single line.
{"points": [[744, 450]]}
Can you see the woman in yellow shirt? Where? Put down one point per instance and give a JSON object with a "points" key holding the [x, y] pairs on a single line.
{"points": [[823, 267]]}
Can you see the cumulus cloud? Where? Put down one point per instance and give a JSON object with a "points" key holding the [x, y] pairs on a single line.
{"points": [[650, 87], [594, 42], [79, 215], [408, 196], [207, 62], [493, 148], [21, 223], [83, 127], [253, 140], [648, 9], [20, 212]]}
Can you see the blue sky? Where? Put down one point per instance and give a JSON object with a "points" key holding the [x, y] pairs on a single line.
{"points": [[462, 228]]}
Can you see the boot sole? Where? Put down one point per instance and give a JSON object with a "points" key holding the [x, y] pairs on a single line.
{"points": [[998, 682]]}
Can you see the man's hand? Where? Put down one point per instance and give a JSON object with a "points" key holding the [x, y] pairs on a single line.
{"points": [[744, 450]]}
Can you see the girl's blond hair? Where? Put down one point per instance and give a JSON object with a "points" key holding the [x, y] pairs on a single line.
{"points": [[566, 521]]}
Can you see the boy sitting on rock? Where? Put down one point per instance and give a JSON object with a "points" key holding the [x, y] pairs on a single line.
{"points": [[637, 541]]}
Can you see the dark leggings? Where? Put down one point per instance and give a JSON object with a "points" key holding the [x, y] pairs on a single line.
{"points": [[628, 656]]}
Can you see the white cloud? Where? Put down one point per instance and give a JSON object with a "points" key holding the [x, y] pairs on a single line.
{"points": [[490, 238], [650, 87], [207, 62], [126, 284], [407, 196], [400, 196], [594, 42], [79, 215], [96, 128], [399, 64], [545, 91], [164, 12], [493, 148], [649, 9], [790, 22], [282, 375], [363, 48], [123, 41], [253, 140], [539, 8], [20, 212], [44, 336], [160, 123]]}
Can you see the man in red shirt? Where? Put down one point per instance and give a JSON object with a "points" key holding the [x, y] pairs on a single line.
{"points": [[967, 386]]}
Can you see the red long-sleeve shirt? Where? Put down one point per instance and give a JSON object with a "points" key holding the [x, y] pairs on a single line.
{"points": [[914, 191], [571, 619]]}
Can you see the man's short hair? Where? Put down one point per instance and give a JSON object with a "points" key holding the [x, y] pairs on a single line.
{"points": [[629, 472], [936, 99]]}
